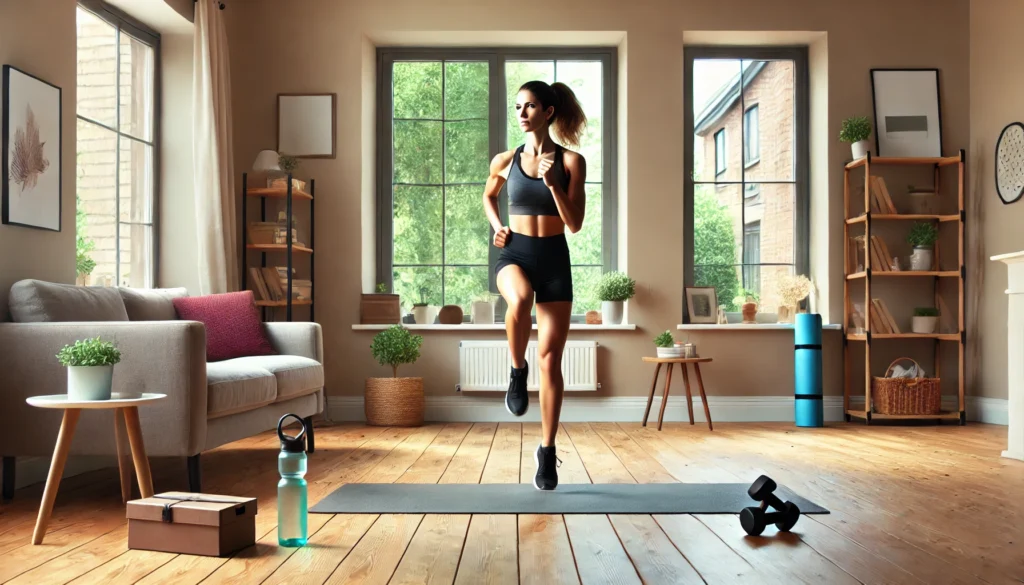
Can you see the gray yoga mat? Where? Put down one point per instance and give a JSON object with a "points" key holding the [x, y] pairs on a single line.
{"points": [[514, 498]]}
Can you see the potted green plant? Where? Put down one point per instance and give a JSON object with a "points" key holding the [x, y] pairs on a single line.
{"points": [[394, 401], [380, 307], [748, 301], [665, 345], [922, 237], [90, 363], [421, 311], [855, 131], [614, 289], [925, 320], [288, 165]]}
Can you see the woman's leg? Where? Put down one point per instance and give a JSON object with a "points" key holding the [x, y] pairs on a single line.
{"points": [[515, 288], [553, 330]]}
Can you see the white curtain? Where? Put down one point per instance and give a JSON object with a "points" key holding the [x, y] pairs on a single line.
{"points": [[216, 219]]}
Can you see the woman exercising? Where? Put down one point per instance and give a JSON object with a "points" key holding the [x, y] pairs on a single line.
{"points": [[545, 196]]}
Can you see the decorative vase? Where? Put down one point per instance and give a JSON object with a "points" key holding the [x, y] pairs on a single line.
{"points": [[611, 312], [450, 315], [593, 317], [749, 313], [394, 402], [90, 382], [419, 312], [921, 259], [482, 312], [860, 149], [787, 314], [924, 324]]}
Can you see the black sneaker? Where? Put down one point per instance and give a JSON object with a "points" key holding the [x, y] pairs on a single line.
{"points": [[547, 462], [517, 400]]}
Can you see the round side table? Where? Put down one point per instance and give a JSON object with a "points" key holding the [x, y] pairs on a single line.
{"points": [[126, 409], [696, 362]]}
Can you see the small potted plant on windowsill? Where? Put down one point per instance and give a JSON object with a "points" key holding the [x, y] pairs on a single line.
{"points": [[90, 364], [856, 131], [922, 237], [380, 307], [925, 320], [614, 289], [395, 401]]}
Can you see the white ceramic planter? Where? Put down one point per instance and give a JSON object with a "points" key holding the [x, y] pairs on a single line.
{"points": [[90, 382], [482, 312], [425, 314], [611, 312], [924, 324], [670, 352], [860, 148], [921, 259]]}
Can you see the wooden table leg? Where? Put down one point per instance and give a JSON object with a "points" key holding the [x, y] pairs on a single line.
{"points": [[689, 395], [650, 399], [131, 418], [703, 397], [664, 399], [124, 461], [60, 457]]}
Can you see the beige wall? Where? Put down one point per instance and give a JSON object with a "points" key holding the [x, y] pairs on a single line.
{"points": [[996, 84], [323, 46], [39, 38]]}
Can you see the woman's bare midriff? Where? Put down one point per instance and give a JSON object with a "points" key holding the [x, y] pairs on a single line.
{"points": [[536, 226]]}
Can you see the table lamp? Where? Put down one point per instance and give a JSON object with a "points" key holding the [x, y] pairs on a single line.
{"points": [[267, 160]]}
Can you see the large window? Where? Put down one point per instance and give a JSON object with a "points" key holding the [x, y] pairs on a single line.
{"points": [[443, 115], [745, 201], [116, 158]]}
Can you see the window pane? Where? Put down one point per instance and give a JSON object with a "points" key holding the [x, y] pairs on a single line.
{"points": [[466, 86], [715, 97], [516, 74], [96, 188], [418, 150], [137, 65], [467, 156], [751, 136], [772, 86], [587, 82], [417, 225], [414, 284], [584, 289], [774, 208], [752, 256], [585, 245], [97, 69], [136, 192], [417, 89], [136, 254], [463, 284], [717, 239], [467, 233]]}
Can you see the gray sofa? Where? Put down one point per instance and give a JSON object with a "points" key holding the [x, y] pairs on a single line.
{"points": [[207, 404]]}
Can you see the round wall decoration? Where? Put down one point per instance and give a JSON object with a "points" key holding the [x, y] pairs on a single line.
{"points": [[1010, 163]]}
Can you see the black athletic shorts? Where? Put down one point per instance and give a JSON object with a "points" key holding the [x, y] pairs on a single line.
{"points": [[545, 261]]}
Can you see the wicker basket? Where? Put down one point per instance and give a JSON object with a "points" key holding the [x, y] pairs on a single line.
{"points": [[905, 395], [394, 402]]}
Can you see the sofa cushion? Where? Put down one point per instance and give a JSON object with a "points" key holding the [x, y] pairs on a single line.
{"points": [[237, 385], [295, 375], [151, 304], [232, 321], [34, 301]]}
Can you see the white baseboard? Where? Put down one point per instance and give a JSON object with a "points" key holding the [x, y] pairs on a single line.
{"points": [[479, 408]]}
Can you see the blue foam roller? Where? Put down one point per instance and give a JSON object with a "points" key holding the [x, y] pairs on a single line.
{"points": [[807, 370]]}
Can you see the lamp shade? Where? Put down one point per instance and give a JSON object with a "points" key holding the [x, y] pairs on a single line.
{"points": [[266, 160]]}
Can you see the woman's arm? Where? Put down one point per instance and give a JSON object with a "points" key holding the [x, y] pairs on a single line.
{"points": [[572, 204], [497, 177]]}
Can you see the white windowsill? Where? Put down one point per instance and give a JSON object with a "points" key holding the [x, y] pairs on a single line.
{"points": [[488, 327], [747, 327]]}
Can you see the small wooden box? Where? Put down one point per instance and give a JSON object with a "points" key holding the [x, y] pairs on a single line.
{"points": [[192, 524], [380, 308]]}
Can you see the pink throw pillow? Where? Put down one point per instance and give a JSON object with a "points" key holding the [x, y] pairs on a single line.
{"points": [[233, 326]]}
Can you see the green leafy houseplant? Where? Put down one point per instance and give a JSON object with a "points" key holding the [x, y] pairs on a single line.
{"points": [[381, 288], [396, 346], [616, 286], [855, 129], [89, 352], [926, 312], [288, 163], [664, 340], [922, 234]]}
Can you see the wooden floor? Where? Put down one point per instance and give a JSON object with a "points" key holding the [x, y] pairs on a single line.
{"points": [[920, 504]]}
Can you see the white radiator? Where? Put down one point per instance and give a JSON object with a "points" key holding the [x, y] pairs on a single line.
{"points": [[485, 365]]}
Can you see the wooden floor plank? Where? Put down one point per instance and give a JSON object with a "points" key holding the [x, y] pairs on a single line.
{"points": [[601, 560], [545, 556], [375, 557], [490, 553], [652, 553], [712, 558], [432, 557], [313, 565]]}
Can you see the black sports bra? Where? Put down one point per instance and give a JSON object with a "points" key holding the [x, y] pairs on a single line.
{"points": [[530, 196]]}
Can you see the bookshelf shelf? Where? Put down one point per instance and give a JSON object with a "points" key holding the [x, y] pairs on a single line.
{"points": [[878, 323], [275, 286]]}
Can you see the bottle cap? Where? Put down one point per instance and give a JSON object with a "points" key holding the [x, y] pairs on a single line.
{"points": [[296, 444]]}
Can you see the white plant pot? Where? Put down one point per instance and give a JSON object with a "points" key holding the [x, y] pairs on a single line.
{"points": [[611, 312], [924, 324], [670, 352], [860, 148], [482, 312], [90, 382], [921, 259]]}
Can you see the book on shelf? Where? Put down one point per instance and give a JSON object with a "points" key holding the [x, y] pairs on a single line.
{"points": [[882, 320], [881, 202]]}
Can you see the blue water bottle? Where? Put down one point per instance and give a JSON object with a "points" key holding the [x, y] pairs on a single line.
{"points": [[291, 490]]}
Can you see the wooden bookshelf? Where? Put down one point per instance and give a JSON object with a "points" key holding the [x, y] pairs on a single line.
{"points": [[279, 247], [279, 192], [872, 168]]}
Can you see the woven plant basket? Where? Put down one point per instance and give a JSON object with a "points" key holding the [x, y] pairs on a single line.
{"points": [[905, 395], [394, 402]]}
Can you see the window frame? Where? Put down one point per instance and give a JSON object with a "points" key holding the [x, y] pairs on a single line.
{"points": [[497, 140], [136, 29], [801, 138]]}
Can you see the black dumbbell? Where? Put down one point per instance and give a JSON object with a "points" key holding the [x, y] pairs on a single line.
{"points": [[754, 519]]}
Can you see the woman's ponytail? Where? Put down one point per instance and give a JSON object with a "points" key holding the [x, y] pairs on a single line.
{"points": [[569, 121]]}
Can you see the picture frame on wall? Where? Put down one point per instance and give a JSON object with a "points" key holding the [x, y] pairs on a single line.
{"points": [[31, 137], [701, 304], [307, 124], [908, 115]]}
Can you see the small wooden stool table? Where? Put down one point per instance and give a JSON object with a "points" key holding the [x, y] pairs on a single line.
{"points": [[686, 382], [126, 406]]}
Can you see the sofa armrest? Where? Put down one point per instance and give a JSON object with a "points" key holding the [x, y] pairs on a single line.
{"points": [[296, 338], [166, 357]]}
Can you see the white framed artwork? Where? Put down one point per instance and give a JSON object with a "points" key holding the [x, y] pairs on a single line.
{"points": [[908, 120], [306, 124], [31, 159]]}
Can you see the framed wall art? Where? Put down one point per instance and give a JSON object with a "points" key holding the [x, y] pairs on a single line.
{"points": [[306, 124], [908, 121]]}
